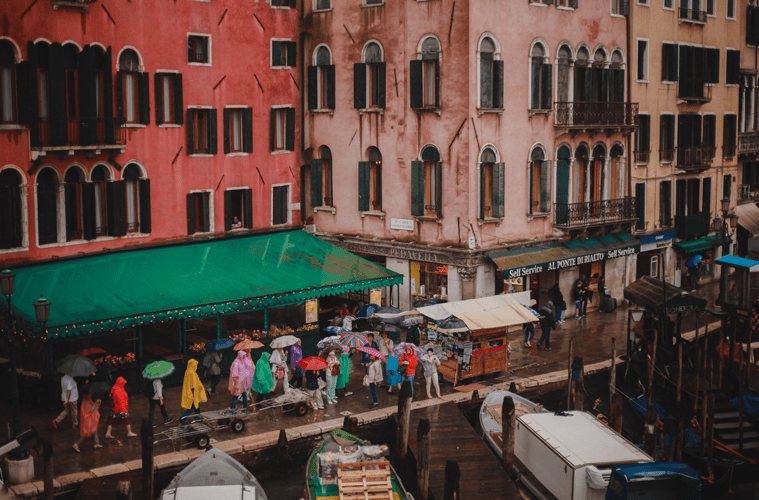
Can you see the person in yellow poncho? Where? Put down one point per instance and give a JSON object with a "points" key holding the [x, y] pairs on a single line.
{"points": [[193, 392]]}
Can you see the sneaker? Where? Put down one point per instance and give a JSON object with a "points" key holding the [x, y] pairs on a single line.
{"points": [[168, 421], [374, 405], [348, 393], [131, 435], [578, 317], [548, 348], [97, 446], [76, 448], [321, 407], [55, 425]]}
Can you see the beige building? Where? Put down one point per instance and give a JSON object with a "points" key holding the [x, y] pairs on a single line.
{"points": [[686, 71]]}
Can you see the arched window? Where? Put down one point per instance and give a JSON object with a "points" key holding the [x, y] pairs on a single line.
{"points": [[596, 180], [540, 78], [582, 78], [562, 185], [426, 184], [74, 180], [7, 82], [138, 219], [579, 175], [321, 179], [100, 175], [599, 90], [491, 74], [562, 74], [617, 82], [11, 229], [321, 77], [369, 78], [615, 179], [71, 88], [425, 75], [540, 186], [47, 207], [491, 185], [132, 89]]}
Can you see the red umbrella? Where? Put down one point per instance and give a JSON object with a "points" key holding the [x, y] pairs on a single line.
{"points": [[312, 363], [371, 351], [92, 350]]}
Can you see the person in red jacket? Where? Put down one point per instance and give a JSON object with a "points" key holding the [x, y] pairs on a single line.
{"points": [[409, 359], [120, 412]]}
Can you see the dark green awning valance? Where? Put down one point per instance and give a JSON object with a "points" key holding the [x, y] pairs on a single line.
{"points": [[126, 289], [700, 244]]}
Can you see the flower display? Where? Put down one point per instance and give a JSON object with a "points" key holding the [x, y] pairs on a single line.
{"points": [[309, 327], [198, 348], [117, 360]]}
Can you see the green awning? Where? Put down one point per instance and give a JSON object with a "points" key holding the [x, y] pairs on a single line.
{"points": [[565, 254], [699, 244], [125, 289]]}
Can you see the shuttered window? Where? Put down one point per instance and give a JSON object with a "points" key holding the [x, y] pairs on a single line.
{"points": [[669, 62], [199, 213], [539, 168], [667, 138], [11, 230], [282, 129], [706, 198], [321, 81], [238, 209], [729, 136], [283, 54], [665, 203], [491, 76], [7, 82], [642, 70], [198, 49], [541, 79], [280, 205], [238, 130], [370, 182], [136, 204], [752, 25], [47, 207], [640, 200], [202, 135], [427, 184], [733, 67], [643, 138], [169, 108]]}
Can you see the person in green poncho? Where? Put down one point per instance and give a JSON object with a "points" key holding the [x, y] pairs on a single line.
{"points": [[263, 381], [342, 379]]}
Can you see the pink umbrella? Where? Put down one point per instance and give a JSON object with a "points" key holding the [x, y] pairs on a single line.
{"points": [[371, 351]]}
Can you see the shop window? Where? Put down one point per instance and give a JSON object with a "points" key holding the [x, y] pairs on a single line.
{"points": [[132, 92], [369, 79], [198, 49], [137, 201], [491, 74], [321, 80], [282, 137], [280, 210], [540, 78], [425, 76], [238, 209], [199, 212], [321, 179], [7, 82], [283, 54], [47, 207], [426, 184], [201, 131], [73, 180], [432, 278], [11, 228], [370, 182], [238, 130], [540, 187], [169, 108]]}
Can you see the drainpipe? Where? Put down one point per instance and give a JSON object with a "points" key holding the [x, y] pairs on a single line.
{"points": [[630, 154]]}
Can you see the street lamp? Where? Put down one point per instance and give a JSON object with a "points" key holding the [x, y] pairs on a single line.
{"points": [[42, 311], [723, 225]]}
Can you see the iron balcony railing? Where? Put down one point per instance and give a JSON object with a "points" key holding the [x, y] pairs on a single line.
{"points": [[695, 157], [694, 90], [667, 155], [73, 132], [596, 114], [748, 142], [642, 156], [571, 215], [692, 15], [728, 151], [692, 225]]}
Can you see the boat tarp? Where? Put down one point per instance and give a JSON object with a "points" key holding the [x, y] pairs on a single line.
{"points": [[650, 293], [622, 475], [120, 290]]}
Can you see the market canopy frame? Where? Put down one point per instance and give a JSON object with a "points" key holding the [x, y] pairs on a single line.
{"points": [[649, 293], [126, 289]]}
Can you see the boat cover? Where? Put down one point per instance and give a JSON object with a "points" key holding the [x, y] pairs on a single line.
{"points": [[622, 475], [750, 404]]}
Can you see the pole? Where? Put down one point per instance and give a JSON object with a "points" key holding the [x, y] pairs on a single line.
{"points": [[651, 363], [404, 419], [711, 415], [423, 459], [741, 385], [698, 367], [616, 412], [613, 374], [629, 340], [22, 452], [569, 375], [508, 426], [47, 467], [452, 488], [578, 374], [651, 426], [725, 251], [146, 434], [720, 358]]}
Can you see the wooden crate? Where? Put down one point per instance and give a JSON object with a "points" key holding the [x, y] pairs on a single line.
{"points": [[365, 481]]}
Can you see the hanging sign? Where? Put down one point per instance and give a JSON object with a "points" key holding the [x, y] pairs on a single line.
{"points": [[375, 296], [312, 311]]}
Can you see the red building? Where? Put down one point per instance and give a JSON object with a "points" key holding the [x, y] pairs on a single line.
{"points": [[125, 123]]}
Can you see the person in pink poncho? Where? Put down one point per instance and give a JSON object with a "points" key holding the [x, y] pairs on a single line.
{"points": [[241, 378]]}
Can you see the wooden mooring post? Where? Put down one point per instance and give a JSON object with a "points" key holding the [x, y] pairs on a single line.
{"points": [[616, 412], [508, 425], [404, 421], [578, 376], [350, 424], [452, 487], [651, 364], [47, 469], [613, 373], [741, 388], [710, 434], [146, 435], [569, 375], [423, 459], [651, 427]]}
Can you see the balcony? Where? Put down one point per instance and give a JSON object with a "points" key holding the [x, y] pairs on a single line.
{"points": [[748, 143], [79, 4], [666, 155], [694, 91], [596, 115], [689, 226], [641, 157], [693, 16], [695, 157], [67, 134], [595, 213]]}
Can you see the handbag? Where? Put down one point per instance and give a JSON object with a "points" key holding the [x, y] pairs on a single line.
{"points": [[402, 370], [335, 371], [366, 380]]}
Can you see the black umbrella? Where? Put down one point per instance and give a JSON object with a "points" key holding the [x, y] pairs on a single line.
{"points": [[384, 327], [423, 303], [76, 366], [398, 315], [453, 325], [99, 387]]}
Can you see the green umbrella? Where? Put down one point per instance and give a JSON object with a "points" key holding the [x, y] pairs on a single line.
{"points": [[158, 369]]}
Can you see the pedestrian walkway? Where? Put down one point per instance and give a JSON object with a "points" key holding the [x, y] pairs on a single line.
{"points": [[529, 368]]}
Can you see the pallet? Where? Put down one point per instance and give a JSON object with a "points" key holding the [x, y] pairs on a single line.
{"points": [[365, 481]]}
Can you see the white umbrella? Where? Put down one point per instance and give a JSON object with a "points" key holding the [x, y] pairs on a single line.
{"points": [[327, 341], [284, 341]]}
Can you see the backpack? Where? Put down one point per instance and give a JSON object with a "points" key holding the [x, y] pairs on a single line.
{"points": [[207, 361], [149, 390]]}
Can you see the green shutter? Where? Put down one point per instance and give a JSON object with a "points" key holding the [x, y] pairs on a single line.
{"points": [[158, 82], [145, 220], [499, 189], [313, 87], [498, 84], [248, 209], [439, 190], [292, 59], [190, 132], [227, 130], [547, 86], [359, 86], [330, 85], [227, 210], [417, 188], [382, 74], [364, 184], [317, 175], [416, 80], [482, 190], [276, 53]]}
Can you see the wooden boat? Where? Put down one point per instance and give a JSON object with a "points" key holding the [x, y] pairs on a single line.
{"points": [[212, 476], [345, 467], [575, 456], [490, 416]]}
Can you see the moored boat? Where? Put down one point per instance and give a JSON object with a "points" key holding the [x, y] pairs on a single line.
{"points": [[490, 416], [212, 476]]}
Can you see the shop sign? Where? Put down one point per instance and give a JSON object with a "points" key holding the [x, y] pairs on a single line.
{"points": [[402, 224], [569, 262], [655, 246], [312, 311], [656, 241], [375, 296]]}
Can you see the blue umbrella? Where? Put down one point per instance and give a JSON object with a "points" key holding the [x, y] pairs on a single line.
{"points": [[219, 344], [366, 311], [533, 311], [336, 330], [693, 260]]}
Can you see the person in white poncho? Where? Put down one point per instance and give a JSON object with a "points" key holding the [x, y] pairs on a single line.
{"points": [[278, 361], [431, 362]]}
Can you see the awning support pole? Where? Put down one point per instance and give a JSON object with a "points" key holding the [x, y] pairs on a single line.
{"points": [[139, 355], [266, 322], [218, 326]]}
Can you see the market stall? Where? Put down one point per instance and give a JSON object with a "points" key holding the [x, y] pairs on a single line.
{"points": [[477, 342]]}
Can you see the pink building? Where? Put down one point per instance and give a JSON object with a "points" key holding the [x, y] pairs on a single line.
{"points": [[445, 186]]}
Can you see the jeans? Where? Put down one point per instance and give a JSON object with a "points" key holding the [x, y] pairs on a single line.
{"points": [[189, 412], [578, 307], [529, 333], [546, 336], [151, 412], [585, 306], [559, 312], [373, 388], [693, 280], [244, 400], [331, 384], [410, 378]]}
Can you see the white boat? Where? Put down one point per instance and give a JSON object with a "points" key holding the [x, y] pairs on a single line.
{"points": [[490, 416], [213, 476], [573, 456]]}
